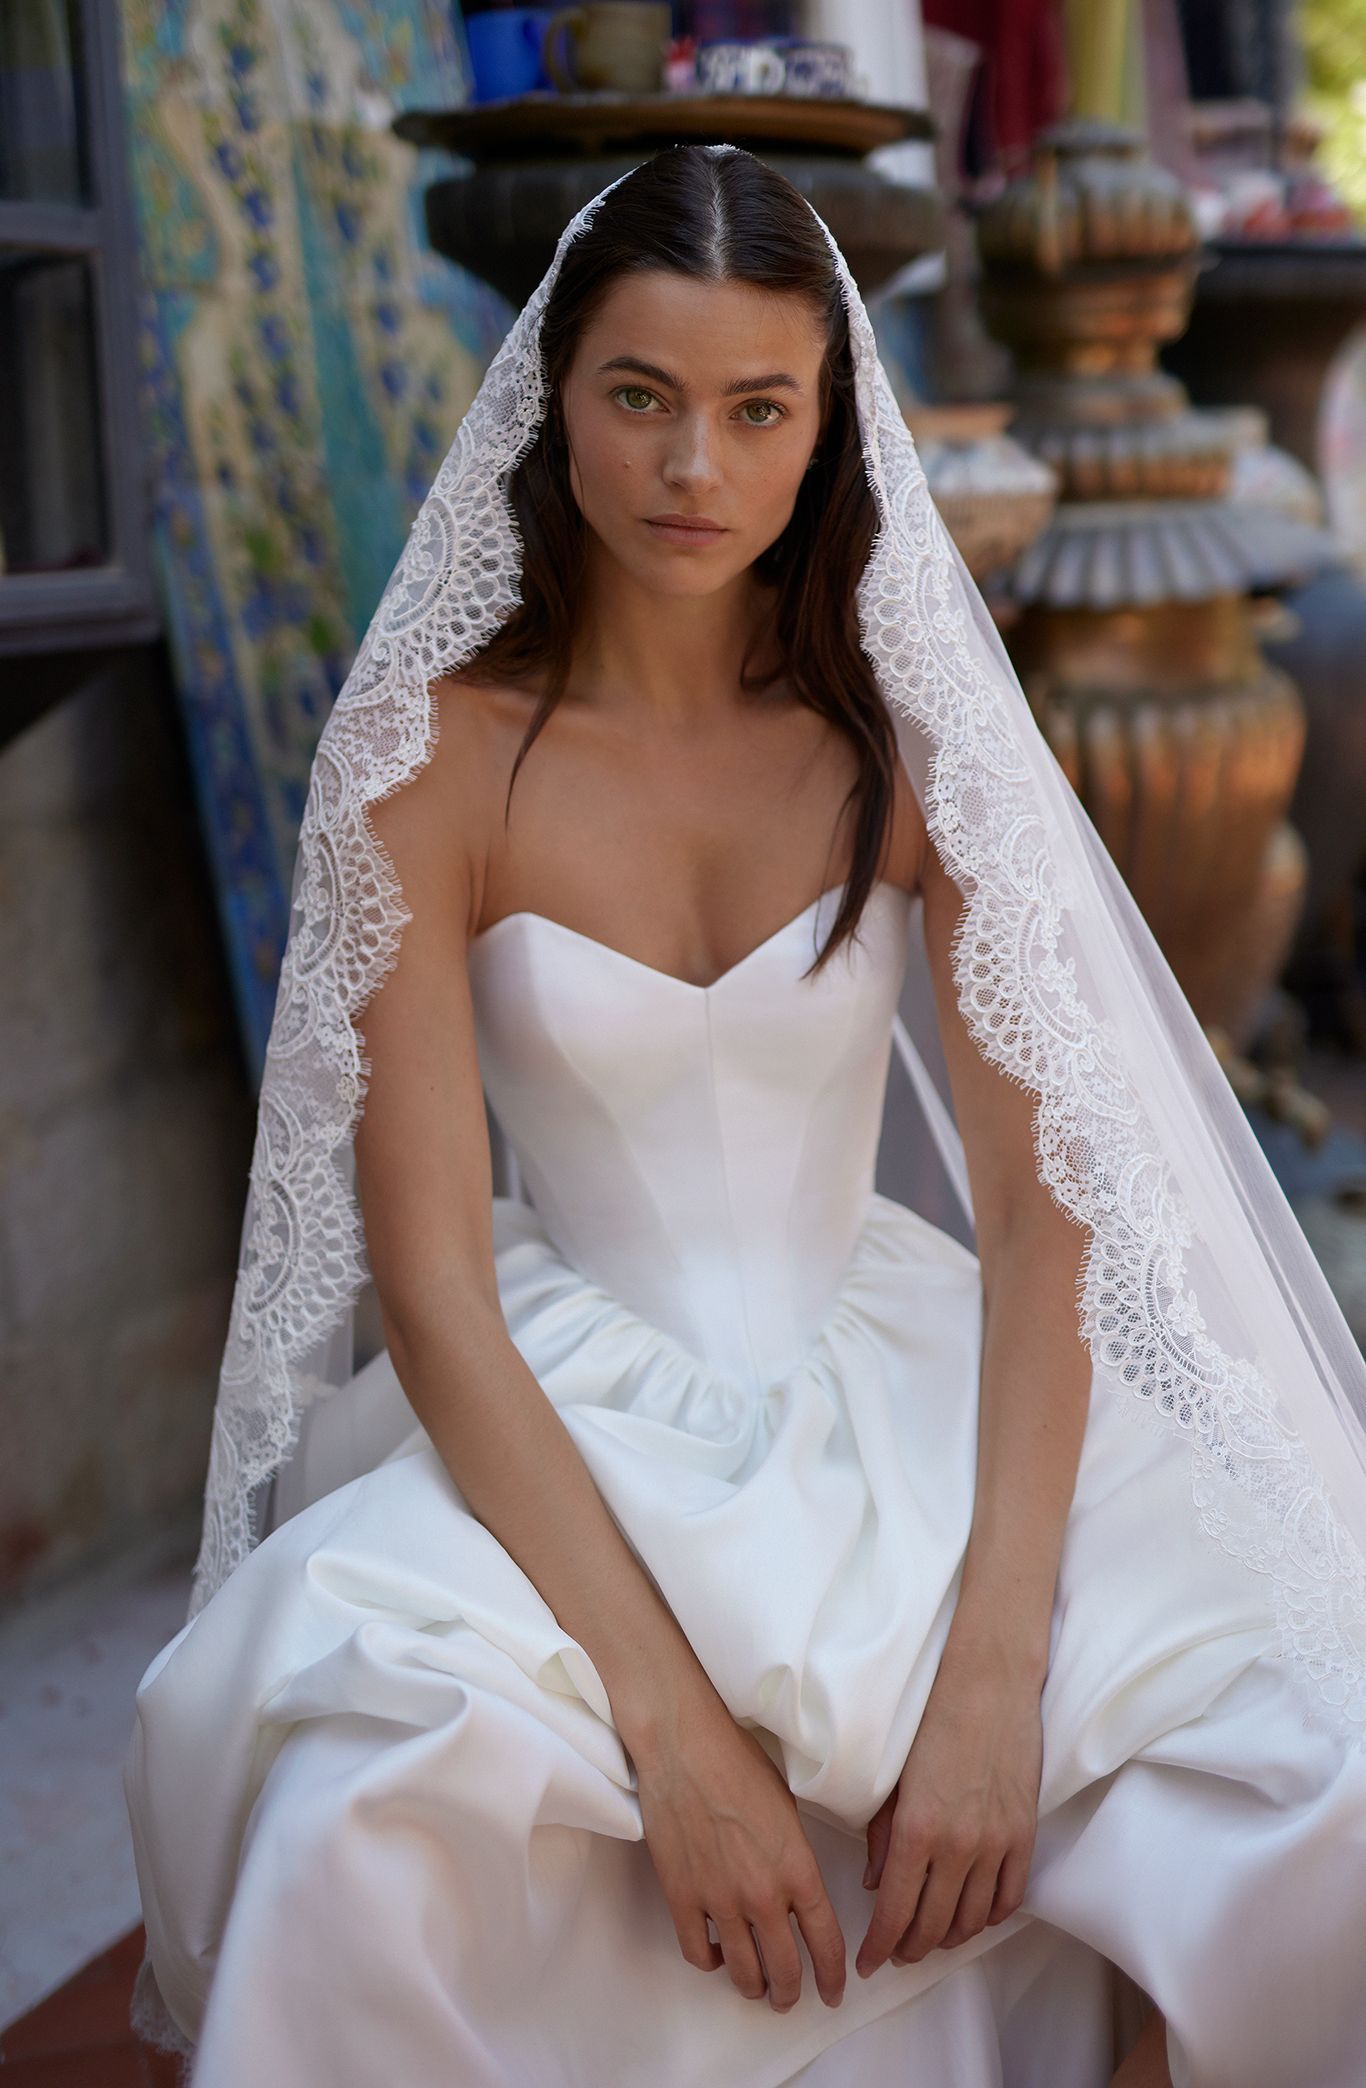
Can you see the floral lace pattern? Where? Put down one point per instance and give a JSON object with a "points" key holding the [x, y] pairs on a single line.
{"points": [[1256, 1490], [302, 1260]]}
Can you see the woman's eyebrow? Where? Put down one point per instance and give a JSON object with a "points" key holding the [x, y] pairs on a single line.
{"points": [[778, 381]]}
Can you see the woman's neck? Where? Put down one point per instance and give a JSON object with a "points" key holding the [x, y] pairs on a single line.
{"points": [[671, 657]]}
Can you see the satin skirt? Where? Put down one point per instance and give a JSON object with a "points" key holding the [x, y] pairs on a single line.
{"points": [[385, 1828]]}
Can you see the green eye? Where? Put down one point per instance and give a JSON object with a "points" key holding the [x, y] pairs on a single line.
{"points": [[631, 392]]}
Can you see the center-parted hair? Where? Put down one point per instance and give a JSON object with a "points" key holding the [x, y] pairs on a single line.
{"points": [[717, 217]]}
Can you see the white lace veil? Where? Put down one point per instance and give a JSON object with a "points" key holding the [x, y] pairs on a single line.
{"points": [[1203, 1306]]}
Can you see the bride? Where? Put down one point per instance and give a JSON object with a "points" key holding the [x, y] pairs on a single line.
{"points": [[724, 1567]]}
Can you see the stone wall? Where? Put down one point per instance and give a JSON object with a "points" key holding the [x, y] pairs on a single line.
{"points": [[125, 1129]]}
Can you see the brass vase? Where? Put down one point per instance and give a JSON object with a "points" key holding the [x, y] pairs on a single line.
{"points": [[1135, 630]]}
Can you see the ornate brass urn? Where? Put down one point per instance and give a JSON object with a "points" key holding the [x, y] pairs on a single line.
{"points": [[1136, 632]]}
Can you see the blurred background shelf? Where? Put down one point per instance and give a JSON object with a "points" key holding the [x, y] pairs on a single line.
{"points": [[603, 121]]}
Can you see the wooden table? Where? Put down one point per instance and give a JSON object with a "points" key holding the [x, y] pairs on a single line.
{"points": [[532, 161]]}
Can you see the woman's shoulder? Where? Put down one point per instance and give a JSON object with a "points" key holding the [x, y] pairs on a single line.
{"points": [[438, 825], [479, 714], [476, 728], [478, 725]]}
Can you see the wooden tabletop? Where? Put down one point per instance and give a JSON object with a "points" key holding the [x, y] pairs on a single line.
{"points": [[550, 123]]}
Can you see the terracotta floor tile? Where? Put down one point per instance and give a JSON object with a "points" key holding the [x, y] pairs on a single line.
{"points": [[79, 2036], [91, 2008], [100, 2066]]}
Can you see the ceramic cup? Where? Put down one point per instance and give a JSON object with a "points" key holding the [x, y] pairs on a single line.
{"points": [[616, 44], [810, 67], [740, 68], [505, 51], [774, 65]]}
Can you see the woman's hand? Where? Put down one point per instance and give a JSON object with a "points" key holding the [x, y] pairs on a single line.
{"points": [[950, 1846], [726, 1840]]}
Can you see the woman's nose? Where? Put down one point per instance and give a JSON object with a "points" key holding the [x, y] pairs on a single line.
{"points": [[692, 458]]}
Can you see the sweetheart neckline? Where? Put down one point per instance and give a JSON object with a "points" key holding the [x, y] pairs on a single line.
{"points": [[593, 942]]}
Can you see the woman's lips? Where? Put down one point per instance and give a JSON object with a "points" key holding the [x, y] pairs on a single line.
{"points": [[674, 532]]}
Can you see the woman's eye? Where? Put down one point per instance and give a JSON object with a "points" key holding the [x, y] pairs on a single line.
{"points": [[637, 398]]}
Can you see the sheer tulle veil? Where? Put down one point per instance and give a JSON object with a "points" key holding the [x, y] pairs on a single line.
{"points": [[1203, 1306]]}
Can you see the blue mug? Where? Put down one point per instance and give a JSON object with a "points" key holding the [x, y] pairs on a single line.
{"points": [[505, 51]]}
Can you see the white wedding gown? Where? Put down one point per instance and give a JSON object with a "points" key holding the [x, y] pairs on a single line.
{"points": [[386, 1832]]}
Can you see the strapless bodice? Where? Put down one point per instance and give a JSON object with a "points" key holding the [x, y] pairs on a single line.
{"points": [[705, 1153]]}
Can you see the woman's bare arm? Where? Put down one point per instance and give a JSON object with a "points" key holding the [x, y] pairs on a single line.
{"points": [[720, 1822], [424, 1178], [949, 1849], [1036, 1369]]}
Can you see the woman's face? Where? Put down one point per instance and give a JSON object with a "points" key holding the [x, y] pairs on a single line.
{"points": [[692, 399]]}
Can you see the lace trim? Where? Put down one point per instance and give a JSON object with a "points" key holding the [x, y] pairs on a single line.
{"points": [[151, 2020], [302, 1260], [1256, 1490]]}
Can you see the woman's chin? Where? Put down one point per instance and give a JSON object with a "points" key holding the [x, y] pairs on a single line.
{"points": [[685, 577]]}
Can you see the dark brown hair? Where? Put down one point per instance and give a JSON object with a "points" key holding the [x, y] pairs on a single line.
{"points": [[718, 217]]}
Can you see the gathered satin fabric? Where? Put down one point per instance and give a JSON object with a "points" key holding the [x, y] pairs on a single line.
{"points": [[384, 1826]]}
